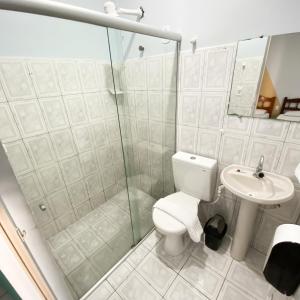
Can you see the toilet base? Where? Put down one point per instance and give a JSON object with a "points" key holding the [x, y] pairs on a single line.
{"points": [[175, 244]]}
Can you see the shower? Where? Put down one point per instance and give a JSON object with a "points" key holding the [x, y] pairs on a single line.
{"points": [[88, 128]]}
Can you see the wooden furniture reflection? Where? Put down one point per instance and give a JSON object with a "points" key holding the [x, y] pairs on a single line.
{"points": [[290, 105], [266, 104]]}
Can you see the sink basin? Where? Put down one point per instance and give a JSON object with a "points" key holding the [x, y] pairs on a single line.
{"points": [[270, 190]]}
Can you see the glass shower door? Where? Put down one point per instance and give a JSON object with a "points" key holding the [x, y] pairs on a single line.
{"points": [[59, 126], [145, 73]]}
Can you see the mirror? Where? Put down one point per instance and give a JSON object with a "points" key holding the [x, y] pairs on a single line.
{"points": [[266, 78]]}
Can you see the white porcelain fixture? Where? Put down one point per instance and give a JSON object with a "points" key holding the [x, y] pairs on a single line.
{"points": [[194, 178], [272, 189]]}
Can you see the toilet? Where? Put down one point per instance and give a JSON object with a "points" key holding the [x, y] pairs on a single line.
{"points": [[195, 178]]}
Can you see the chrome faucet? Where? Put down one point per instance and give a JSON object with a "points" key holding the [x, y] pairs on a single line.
{"points": [[259, 169]]}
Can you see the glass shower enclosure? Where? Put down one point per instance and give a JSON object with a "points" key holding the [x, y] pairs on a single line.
{"points": [[87, 121]]}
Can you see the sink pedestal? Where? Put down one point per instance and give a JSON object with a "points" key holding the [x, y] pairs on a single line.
{"points": [[244, 229]]}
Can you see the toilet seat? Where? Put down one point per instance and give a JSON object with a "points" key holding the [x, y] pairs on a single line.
{"points": [[167, 223]]}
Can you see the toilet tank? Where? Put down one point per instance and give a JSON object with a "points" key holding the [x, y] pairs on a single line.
{"points": [[195, 175]]}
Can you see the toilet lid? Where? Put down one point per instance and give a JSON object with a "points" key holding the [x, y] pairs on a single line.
{"points": [[167, 222]]}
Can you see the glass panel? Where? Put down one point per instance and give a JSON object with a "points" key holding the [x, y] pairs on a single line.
{"points": [[59, 125], [146, 71]]}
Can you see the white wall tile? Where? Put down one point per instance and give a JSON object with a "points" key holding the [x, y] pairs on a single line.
{"points": [[100, 134], [18, 157], [88, 162], [29, 117], [187, 139], [50, 178], [294, 133], [237, 125], [93, 184], [63, 143], [68, 77], [83, 136], [2, 95], [59, 203], [41, 150], [212, 110], [189, 108], [76, 109], [270, 149], [109, 102], [8, 129], [217, 68], [208, 142], [54, 113], [88, 76], [154, 73], [15, 79], [170, 71], [104, 75], [44, 78], [233, 149], [289, 159], [270, 129], [77, 192], [265, 232], [141, 104], [289, 210], [169, 106], [94, 106], [191, 68], [30, 186], [139, 74], [71, 169], [155, 106]]}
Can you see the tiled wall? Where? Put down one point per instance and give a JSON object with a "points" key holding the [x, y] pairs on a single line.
{"points": [[205, 129], [148, 116], [58, 122]]}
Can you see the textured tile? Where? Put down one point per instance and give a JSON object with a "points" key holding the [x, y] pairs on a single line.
{"points": [[103, 292], [59, 203], [230, 291], [59, 239], [29, 118], [54, 112], [44, 78], [152, 239], [83, 278], [248, 280], [8, 129], [18, 157], [120, 274], [69, 257], [182, 290], [136, 288], [203, 278], [76, 109], [218, 261], [88, 242], [16, 80], [138, 255], [156, 273], [174, 262], [41, 150]]}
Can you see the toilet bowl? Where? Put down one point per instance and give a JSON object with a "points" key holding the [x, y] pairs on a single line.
{"points": [[194, 178], [174, 231]]}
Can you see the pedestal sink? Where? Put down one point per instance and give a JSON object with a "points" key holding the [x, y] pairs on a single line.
{"points": [[272, 189]]}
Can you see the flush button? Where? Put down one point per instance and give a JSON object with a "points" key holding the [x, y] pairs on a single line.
{"points": [[192, 157]]}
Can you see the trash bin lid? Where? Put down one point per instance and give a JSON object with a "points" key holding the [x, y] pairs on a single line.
{"points": [[215, 226]]}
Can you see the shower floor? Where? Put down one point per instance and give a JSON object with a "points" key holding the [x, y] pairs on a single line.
{"points": [[88, 248]]}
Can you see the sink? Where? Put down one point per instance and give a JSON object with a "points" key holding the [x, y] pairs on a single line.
{"points": [[272, 189], [269, 190]]}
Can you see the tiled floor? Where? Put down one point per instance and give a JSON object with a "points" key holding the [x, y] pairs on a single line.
{"points": [[87, 249], [199, 273]]}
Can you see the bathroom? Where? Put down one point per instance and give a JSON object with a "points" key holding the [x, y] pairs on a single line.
{"points": [[116, 115]]}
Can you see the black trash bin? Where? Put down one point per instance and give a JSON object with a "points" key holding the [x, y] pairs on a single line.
{"points": [[215, 229]]}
